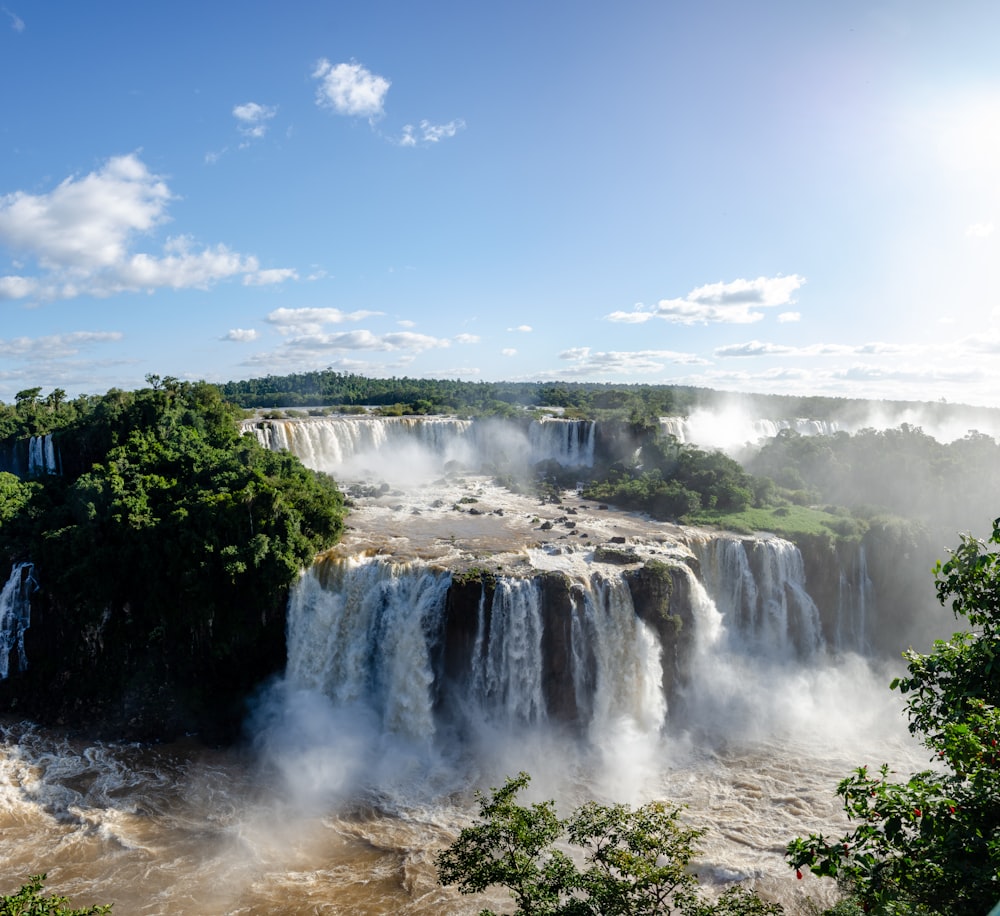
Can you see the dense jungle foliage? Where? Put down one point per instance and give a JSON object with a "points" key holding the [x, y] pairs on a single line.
{"points": [[168, 529]]}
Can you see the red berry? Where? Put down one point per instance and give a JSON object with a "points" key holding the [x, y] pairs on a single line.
{"points": [[916, 811], [798, 873]]}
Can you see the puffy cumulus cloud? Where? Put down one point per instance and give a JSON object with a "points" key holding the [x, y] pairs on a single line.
{"points": [[81, 236], [736, 302], [54, 346], [179, 268], [428, 133], [350, 89], [466, 338], [85, 223], [587, 362], [17, 287], [252, 118], [240, 335], [308, 321]]}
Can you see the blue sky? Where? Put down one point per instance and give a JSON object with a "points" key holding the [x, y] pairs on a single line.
{"points": [[781, 197]]}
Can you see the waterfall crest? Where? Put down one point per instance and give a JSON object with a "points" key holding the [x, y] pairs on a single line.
{"points": [[345, 443]]}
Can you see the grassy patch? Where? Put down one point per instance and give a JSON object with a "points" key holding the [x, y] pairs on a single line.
{"points": [[785, 521]]}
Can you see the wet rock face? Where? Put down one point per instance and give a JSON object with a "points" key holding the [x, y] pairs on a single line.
{"points": [[661, 595], [109, 672], [558, 608]]}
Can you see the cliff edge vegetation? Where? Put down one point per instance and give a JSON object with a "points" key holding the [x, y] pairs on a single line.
{"points": [[163, 551]]}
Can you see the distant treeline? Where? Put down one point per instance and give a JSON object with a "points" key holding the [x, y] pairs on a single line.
{"points": [[638, 402]]}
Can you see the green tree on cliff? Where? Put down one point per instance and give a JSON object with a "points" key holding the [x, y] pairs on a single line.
{"points": [[930, 844]]}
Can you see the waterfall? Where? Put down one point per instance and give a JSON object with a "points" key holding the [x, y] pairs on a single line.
{"points": [[365, 444], [569, 442], [362, 630], [367, 631], [42, 456], [15, 615], [329, 443], [855, 604], [707, 429], [507, 656], [628, 667], [761, 593]]}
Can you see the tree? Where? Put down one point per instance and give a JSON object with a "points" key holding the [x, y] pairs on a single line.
{"points": [[28, 901], [636, 860], [931, 844]]}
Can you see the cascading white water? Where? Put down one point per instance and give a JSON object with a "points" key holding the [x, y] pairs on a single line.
{"points": [[727, 430], [628, 681], [507, 656], [761, 593], [42, 456], [360, 631], [353, 446], [569, 442], [15, 615], [855, 603]]}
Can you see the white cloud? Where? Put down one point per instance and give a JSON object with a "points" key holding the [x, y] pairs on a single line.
{"points": [[311, 320], [85, 223], [736, 302], [522, 328], [240, 335], [252, 118], [428, 133], [179, 268], [270, 277], [350, 89], [406, 323], [81, 236], [16, 22], [587, 362], [788, 317], [508, 351], [758, 348], [366, 340], [980, 230], [17, 287], [466, 338], [55, 346]]}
